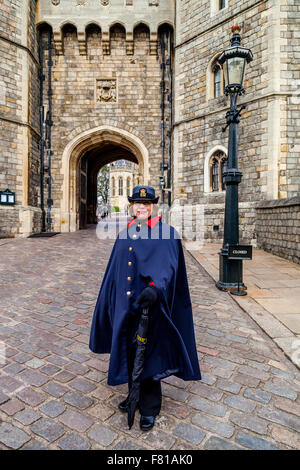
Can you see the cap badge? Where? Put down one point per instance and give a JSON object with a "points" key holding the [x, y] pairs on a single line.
{"points": [[143, 192]]}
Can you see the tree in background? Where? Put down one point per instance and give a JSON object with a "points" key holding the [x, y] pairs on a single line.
{"points": [[103, 185]]}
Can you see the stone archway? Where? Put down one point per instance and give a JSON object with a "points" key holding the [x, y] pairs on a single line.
{"points": [[76, 148]]}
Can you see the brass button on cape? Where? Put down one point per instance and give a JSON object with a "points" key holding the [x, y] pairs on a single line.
{"points": [[129, 263], [128, 292], [130, 248], [129, 278]]}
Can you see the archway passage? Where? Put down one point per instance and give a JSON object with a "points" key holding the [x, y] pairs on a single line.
{"points": [[98, 146], [88, 167]]}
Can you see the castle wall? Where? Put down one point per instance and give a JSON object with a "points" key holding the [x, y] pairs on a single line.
{"points": [[291, 85], [93, 52], [278, 224], [19, 131], [201, 35]]}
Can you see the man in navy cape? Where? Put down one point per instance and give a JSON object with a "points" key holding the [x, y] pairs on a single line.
{"points": [[146, 268]]}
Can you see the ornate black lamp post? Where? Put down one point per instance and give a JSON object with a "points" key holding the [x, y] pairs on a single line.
{"points": [[233, 61]]}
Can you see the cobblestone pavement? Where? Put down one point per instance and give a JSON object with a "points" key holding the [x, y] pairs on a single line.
{"points": [[53, 390]]}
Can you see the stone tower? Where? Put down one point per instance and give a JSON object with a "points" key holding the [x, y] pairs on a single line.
{"points": [[95, 74], [123, 177], [19, 118]]}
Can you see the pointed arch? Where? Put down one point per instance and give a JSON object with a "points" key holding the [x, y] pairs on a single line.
{"points": [[91, 139], [217, 148], [210, 75]]}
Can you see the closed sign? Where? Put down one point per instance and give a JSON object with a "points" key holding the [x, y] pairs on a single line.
{"points": [[240, 252]]}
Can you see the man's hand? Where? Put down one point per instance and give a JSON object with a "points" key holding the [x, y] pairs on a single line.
{"points": [[147, 297]]}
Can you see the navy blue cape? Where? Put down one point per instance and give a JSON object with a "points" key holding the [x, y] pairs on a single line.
{"points": [[157, 256]]}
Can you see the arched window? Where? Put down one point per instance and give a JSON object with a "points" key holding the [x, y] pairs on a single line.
{"points": [[113, 186], [218, 80], [218, 164], [128, 186], [120, 186], [215, 174]]}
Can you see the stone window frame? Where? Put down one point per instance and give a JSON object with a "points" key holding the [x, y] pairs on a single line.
{"points": [[216, 68], [215, 6], [211, 71], [219, 152], [217, 164]]}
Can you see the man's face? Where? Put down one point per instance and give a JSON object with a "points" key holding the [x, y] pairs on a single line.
{"points": [[142, 210]]}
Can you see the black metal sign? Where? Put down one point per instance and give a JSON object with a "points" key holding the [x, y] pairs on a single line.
{"points": [[7, 197], [240, 252]]}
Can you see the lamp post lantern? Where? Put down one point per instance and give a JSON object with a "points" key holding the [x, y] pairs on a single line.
{"points": [[233, 60]]}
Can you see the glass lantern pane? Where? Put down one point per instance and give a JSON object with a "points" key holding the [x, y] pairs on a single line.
{"points": [[225, 69], [236, 70]]}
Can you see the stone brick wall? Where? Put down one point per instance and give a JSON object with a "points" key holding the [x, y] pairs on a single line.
{"points": [[199, 119], [75, 105], [264, 128], [19, 133], [128, 54], [278, 227], [291, 78], [10, 133]]}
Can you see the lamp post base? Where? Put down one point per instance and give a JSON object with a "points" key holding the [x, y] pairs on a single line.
{"points": [[238, 292], [232, 287], [230, 274]]}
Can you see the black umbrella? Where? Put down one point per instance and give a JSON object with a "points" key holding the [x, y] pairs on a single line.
{"points": [[138, 366]]}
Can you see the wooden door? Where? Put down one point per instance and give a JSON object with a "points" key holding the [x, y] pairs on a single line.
{"points": [[83, 193]]}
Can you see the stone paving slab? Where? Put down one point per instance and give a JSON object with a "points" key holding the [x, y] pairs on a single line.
{"points": [[273, 294], [53, 389]]}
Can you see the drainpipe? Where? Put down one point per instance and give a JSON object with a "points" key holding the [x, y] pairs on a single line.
{"points": [[162, 106], [49, 124], [42, 140], [170, 100]]}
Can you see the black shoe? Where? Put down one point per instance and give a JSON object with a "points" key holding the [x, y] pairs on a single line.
{"points": [[123, 406], [147, 422]]}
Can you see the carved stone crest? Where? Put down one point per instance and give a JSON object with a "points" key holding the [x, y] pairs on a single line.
{"points": [[106, 91], [55, 2]]}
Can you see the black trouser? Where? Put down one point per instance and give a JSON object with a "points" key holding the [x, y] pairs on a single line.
{"points": [[150, 391]]}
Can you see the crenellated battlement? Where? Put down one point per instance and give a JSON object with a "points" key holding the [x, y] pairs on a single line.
{"points": [[105, 14]]}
